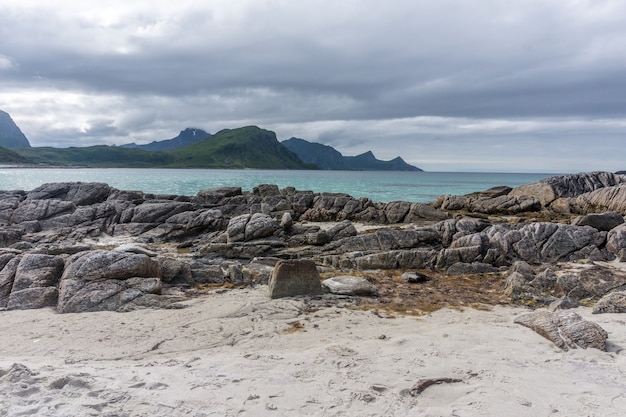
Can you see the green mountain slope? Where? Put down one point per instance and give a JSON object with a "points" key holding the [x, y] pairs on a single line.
{"points": [[245, 147], [101, 156], [8, 156]]}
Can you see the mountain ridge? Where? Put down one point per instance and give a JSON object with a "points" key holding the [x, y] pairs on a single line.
{"points": [[246, 147], [239, 148], [186, 137], [327, 157]]}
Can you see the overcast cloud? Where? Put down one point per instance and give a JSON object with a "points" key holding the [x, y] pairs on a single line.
{"points": [[484, 85]]}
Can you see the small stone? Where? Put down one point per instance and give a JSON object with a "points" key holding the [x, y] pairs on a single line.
{"points": [[350, 285], [415, 277]]}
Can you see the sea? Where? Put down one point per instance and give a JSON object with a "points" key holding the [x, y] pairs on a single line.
{"points": [[379, 186]]}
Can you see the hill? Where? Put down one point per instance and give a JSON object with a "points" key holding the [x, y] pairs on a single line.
{"points": [[368, 162], [8, 156], [185, 137], [101, 156], [327, 157], [245, 147], [10, 135], [322, 156]]}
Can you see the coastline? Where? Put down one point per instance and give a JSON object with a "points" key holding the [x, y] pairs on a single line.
{"points": [[379, 186], [200, 334]]}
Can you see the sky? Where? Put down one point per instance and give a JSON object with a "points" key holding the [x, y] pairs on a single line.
{"points": [[474, 85]]}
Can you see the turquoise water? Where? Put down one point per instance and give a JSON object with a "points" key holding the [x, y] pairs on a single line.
{"points": [[376, 185]]}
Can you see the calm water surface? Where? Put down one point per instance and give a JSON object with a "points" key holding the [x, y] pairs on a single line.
{"points": [[376, 185]]}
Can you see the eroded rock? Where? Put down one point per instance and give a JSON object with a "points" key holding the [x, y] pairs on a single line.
{"points": [[600, 221], [294, 277], [614, 302], [565, 329]]}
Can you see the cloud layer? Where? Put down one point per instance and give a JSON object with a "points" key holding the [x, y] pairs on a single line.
{"points": [[480, 85]]}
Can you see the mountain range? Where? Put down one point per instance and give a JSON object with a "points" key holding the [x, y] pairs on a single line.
{"points": [[327, 157], [245, 147]]}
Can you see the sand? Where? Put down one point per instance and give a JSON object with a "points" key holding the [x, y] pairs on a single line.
{"points": [[240, 353]]}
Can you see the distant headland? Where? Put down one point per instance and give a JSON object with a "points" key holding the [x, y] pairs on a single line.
{"points": [[244, 147]]}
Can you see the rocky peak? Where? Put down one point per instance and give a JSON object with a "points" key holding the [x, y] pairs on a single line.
{"points": [[10, 135]]}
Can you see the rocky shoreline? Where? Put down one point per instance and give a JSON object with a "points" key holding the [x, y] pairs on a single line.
{"points": [[380, 325], [81, 247]]}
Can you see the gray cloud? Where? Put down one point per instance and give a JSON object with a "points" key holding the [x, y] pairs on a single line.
{"points": [[479, 85]]}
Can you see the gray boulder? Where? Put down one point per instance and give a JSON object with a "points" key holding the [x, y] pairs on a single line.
{"points": [[498, 204], [260, 226], [9, 201], [41, 209], [250, 227], [572, 185], [318, 238], [341, 230], [275, 205], [236, 229], [9, 263], [286, 221], [294, 277], [106, 280], [505, 204], [415, 277], [600, 221], [566, 329], [96, 215], [196, 222], [264, 190], [77, 296], [616, 241], [524, 269], [604, 199], [34, 285], [421, 211], [155, 211], [102, 264], [551, 242], [30, 298], [350, 285], [175, 271], [217, 195], [614, 302], [593, 282], [396, 211], [516, 285], [28, 281], [208, 271], [79, 193], [461, 268], [544, 281]]}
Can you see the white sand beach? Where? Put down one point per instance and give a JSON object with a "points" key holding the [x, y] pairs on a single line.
{"points": [[239, 353]]}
